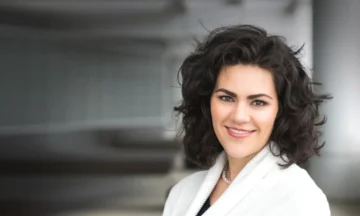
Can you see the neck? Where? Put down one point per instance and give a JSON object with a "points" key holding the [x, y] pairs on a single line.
{"points": [[236, 165]]}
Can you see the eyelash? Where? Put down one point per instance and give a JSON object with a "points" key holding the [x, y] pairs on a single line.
{"points": [[263, 103], [226, 98]]}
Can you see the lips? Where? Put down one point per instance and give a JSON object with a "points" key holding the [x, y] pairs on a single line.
{"points": [[239, 133]]}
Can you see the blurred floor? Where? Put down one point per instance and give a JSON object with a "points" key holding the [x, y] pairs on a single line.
{"points": [[70, 200], [336, 210], [345, 209]]}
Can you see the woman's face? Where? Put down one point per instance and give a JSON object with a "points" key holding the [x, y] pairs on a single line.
{"points": [[244, 106]]}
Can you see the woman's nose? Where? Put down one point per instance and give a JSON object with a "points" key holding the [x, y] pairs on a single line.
{"points": [[241, 113]]}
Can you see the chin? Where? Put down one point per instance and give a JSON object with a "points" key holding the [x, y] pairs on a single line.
{"points": [[237, 151]]}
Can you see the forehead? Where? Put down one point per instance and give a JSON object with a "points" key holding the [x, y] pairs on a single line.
{"points": [[246, 79]]}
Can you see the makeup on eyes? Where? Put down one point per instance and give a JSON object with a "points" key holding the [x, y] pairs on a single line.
{"points": [[227, 98]]}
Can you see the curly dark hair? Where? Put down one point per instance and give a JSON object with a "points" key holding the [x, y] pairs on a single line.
{"points": [[295, 129]]}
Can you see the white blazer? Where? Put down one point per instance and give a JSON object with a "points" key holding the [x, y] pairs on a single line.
{"points": [[262, 188]]}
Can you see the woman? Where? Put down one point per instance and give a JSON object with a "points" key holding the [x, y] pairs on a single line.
{"points": [[250, 114]]}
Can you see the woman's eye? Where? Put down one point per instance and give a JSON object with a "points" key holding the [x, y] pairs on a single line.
{"points": [[226, 98], [259, 103]]}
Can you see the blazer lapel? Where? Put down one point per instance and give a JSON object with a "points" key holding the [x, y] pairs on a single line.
{"points": [[207, 186], [246, 180]]}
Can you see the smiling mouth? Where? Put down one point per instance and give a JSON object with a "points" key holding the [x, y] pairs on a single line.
{"points": [[239, 133]]}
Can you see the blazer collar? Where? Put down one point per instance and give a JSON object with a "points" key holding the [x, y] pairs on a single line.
{"points": [[208, 185], [244, 182]]}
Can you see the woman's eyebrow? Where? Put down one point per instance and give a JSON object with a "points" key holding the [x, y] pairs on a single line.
{"points": [[259, 95], [232, 94]]}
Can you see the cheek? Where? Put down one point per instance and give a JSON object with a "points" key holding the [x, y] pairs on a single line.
{"points": [[217, 111], [266, 120]]}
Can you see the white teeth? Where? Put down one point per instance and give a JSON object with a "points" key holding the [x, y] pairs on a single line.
{"points": [[239, 131]]}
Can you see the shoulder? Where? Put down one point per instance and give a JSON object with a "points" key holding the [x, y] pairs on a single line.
{"points": [[181, 194], [302, 181], [302, 191]]}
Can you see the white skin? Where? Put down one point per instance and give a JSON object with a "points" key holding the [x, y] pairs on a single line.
{"points": [[245, 99]]}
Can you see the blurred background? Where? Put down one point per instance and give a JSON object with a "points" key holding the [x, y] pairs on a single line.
{"points": [[87, 91]]}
